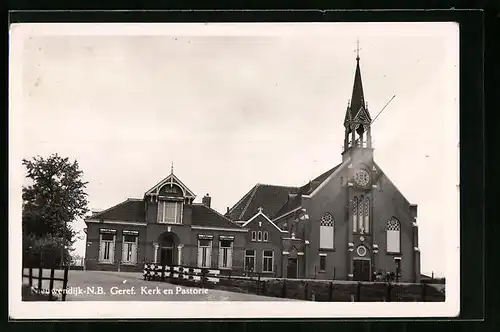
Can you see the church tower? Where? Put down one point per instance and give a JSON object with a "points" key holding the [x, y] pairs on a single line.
{"points": [[358, 152]]}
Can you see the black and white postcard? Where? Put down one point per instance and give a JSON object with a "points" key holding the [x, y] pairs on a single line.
{"points": [[264, 170]]}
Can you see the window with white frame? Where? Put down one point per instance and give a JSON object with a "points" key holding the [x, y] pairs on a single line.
{"points": [[393, 235], [225, 254], [327, 232], [129, 248], [169, 212], [249, 260], [107, 248], [204, 252], [259, 236], [254, 236], [266, 236], [267, 261]]}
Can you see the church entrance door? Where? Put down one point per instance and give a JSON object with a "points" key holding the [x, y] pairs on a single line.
{"points": [[361, 269], [292, 268]]}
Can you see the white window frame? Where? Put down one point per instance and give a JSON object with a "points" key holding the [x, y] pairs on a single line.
{"points": [[254, 236], [265, 236], [398, 232], [245, 260], [259, 236], [178, 211], [111, 245], [125, 244], [229, 255], [264, 259], [207, 252]]}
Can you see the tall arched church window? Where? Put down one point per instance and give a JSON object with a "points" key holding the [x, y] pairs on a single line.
{"points": [[393, 231], [354, 214], [361, 210], [327, 232], [367, 215]]}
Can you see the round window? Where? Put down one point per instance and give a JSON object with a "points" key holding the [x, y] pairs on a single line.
{"points": [[361, 251]]}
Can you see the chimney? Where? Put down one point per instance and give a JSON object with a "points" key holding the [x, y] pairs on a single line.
{"points": [[206, 200], [227, 210]]}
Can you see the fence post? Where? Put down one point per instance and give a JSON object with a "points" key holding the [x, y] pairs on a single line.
{"points": [[330, 291], [31, 278], [40, 276], [258, 284], [203, 276], [51, 284], [306, 286], [65, 282], [389, 291], [424, 291], [283, 290], [358, 292], [162, 273]]}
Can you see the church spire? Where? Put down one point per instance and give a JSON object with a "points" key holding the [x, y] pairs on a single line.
{"points": [[357, 118], [358, 98]]}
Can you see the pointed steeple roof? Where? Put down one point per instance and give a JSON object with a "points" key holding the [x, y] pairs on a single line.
{"points": [[358, 97]]}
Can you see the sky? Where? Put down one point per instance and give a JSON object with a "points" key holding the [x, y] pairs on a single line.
{"points": [[235, 105]]}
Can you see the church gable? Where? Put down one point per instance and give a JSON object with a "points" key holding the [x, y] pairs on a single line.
{"points": [[363, 116], [389, 203], [261, 217]]}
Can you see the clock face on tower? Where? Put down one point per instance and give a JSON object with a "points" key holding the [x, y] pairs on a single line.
{"points": [[362, 178]]}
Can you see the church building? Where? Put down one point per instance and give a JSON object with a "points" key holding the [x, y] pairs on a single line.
{"points": [[349, 223]]}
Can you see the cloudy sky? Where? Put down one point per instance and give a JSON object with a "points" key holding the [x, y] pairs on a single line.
{"points": [[236, 105]]}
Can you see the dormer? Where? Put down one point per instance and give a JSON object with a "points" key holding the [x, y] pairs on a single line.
{"points": [[168, 198]]}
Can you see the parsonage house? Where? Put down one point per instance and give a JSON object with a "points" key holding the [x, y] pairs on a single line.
{"points": [[348, 223]]}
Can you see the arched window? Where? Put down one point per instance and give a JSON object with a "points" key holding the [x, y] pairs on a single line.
{"points": [[327, 235], [354, 214], [361, 210], [393, 235], [367, 215]]}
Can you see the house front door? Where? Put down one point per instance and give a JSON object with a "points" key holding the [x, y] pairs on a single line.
{"points": [[291, 271], [166, 256], [361, 269]]}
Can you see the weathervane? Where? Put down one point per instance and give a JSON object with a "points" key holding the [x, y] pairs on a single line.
{"points": [[171, 174], [357, 49]]}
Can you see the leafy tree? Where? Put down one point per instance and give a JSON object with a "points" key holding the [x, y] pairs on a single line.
{"points": [[54, 199]]}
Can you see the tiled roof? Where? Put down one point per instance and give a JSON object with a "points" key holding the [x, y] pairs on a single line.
{"points": [[269, 197], [130, 210], [274, 200], [205, 216]]}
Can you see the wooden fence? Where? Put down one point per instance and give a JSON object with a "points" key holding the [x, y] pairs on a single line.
{"points": [[191, 274], [39, 290]]}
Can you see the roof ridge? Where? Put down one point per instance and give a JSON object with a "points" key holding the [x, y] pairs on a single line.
{"points": [[241, 199], [132, 199], [277, 185], [252, 195]]}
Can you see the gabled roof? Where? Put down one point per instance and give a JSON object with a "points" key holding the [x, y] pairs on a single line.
{"points": [[202, 215], [174, 180], [295, 201], [261, 216], [268, 197], [130, 210], [274, 200]]}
